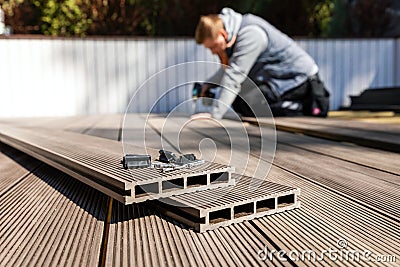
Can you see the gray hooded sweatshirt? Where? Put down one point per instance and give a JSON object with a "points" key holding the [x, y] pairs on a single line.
{"points": [[284, 65]]}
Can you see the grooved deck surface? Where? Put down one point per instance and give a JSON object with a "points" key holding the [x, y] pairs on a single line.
{"points": [[375, 135], [332, 207], [49, 219], [11, 171], [347, 192], [248, 199], [96, 161], [142, 237], [241, 192]]}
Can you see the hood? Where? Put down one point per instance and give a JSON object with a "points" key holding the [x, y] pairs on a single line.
{"points": [[232, 21]]}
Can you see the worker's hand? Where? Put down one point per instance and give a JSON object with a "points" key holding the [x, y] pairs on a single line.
{"points": [[204, 88]]}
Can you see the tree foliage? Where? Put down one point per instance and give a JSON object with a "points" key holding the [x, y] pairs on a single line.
{"points": [[370, 18], [63, 17], [316, 18], [83, 17], [22, 15], [300, 17], [124, 17]]}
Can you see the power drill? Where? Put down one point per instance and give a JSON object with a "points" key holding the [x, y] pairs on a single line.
{"points": [[208, 97]]}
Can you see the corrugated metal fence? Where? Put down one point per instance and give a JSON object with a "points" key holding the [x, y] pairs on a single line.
{"points": [[50, 77]]}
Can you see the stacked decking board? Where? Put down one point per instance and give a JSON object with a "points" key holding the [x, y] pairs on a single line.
{"points": [[358, 177], [327, 213], [96, 162], [250, 198], [355, 171], [140, 236]]}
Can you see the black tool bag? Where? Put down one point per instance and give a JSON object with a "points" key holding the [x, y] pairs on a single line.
{"points": [[316, 100], [310, 99]]}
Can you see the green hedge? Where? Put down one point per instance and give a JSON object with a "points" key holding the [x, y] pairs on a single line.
{"points": [[316, 18]]}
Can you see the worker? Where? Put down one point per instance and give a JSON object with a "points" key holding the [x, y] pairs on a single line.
{"points": [[284, 73]]}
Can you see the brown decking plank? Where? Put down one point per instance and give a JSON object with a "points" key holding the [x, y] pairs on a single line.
{"points": [[31, 122], [376, 128], [349, 216], [355, 115], [157, 240], [374, 188], [107, 127], [369, 157], [362, 134], [14, 166], [56, 123], [96, 161], [44, 213], [202, 205], [184, 245]]}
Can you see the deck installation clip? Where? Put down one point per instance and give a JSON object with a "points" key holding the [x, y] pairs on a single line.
{"points": [[168, 161], [132, 161]]}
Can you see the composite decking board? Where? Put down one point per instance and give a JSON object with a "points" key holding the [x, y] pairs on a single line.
{"points": [[14, 166], [81, 124], [369, 157], [376, 189], [196, 209], [385, 118], [324, 206], [130, 242], [326, 218], [90, 148], [355, 115], [321, 208], [389, 120], [335, 217], [375, 128], [107, 127], [141, 237], [56, 123], [306, 218], [370, 186], [384, 128], [104, 126], [239, 193], [137, 126], [51, 219], [379, 139], [374, 185], [373, 158], [175, 244], [74, 123], [96, 161], [30, 122], [354, 181]]}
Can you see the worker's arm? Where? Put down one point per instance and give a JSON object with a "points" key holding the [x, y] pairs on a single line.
{"points": [[251, 42], [216, 78], [212, 81]]}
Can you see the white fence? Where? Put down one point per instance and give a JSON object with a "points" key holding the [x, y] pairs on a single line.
{"points": [[58, 77]]}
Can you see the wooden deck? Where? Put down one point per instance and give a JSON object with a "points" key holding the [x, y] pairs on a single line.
{"points": [[349, 191]]}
